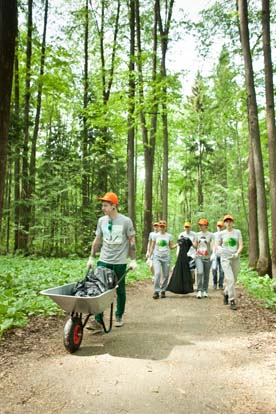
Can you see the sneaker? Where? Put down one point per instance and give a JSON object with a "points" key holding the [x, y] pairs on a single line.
{"points": [[155, 295], [220, 287], [225, 299], [233, 305], [215, 287], [163, 295], [95, 326], [119, 322], [205, 294], [199, 294]]}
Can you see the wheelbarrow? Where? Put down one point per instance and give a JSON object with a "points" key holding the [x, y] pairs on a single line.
{"points": [[77, 306]]}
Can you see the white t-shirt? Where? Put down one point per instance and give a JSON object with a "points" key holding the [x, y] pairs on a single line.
{"points": [[204, 240], [162, 245], [229, 242]]}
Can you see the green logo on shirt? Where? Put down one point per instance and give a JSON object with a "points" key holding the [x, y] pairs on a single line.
{"points": [[162, 243], [231, 242]]}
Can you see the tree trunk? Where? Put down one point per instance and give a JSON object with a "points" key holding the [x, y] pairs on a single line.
{"points": [[131, 119], [264, 261], [25, 199], [8, 31], [270, 120], [253, 247]]}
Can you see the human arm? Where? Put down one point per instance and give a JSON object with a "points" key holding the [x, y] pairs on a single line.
{"points": [[94, 248], [173, 245], [132, 252], [239, 248]]}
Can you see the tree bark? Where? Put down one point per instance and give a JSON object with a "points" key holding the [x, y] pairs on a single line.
{"points": [[253, 247], [270, 120], [8, 31], [264, 260], [131, 119]]}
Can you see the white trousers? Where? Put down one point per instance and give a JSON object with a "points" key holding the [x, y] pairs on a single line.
{"points": [[231, 269]]}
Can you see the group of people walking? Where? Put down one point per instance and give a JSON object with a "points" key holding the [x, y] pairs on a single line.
{"points": [[115, 238], [203, 251]]}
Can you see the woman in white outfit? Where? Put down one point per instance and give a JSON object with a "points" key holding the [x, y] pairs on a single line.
{"points": [[230, 245]]}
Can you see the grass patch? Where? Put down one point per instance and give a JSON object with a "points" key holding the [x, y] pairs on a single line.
{"points": [[23, 278]]}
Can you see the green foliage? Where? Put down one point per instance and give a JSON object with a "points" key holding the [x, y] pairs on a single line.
{"points": [[262, 288], [22, 280]]}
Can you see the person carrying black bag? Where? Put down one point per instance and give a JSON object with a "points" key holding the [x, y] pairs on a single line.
{"points": [[181, 280]]}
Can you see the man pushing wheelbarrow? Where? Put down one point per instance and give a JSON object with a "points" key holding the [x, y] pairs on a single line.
{"points": [[115, 237]]}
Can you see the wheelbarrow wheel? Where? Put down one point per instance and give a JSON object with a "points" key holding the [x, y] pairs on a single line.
{"points": [[73, 333]]}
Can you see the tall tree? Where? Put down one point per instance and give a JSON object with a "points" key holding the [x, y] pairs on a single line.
{"points": [[270, 120], [131, 117], [8, 31], [85, 175], [25, 200], [264, 261], [148, 134], [164, 28], [32, 170]]}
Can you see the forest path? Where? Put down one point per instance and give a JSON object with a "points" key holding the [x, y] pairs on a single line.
{"points": [[176, 355]]}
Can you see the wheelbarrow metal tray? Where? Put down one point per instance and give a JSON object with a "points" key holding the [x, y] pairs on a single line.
{"points": [[88, 304]]}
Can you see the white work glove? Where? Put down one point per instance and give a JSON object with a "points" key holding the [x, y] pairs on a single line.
{"points": [[148, 261], [213, 257], [235, 255], [147, 255], [133, 265], [91, 262]]}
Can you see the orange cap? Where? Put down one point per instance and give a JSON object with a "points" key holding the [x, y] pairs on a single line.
{"points": [[228, 217], [220, 223], [110, 197], [203, 222], [187, 224], [162, 223]]}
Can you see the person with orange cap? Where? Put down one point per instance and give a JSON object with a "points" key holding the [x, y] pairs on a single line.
{"points": [[115, 237], [204, 244], [149, 258], [161, 244], [230, 245], [191, 253], [216, 262]]}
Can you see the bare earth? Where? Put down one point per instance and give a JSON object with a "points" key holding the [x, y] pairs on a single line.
{"points": [[173, 355]]}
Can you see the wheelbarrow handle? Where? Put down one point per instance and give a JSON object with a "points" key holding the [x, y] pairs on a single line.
{"points": [[121, 278]]}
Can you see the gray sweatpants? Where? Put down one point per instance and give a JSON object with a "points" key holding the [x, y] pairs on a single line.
{"points": [[158, 265], [231, 267]]}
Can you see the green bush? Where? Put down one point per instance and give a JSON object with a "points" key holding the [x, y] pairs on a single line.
{"points": [[259, 287]]}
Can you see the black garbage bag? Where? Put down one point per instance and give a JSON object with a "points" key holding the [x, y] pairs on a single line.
{"points": [[181, 279], [96, 282]]}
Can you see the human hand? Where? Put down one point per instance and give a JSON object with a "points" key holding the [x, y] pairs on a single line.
{"points": [[133, 265], [91, 262], [148, 261], [213, 256], [235, 255]]}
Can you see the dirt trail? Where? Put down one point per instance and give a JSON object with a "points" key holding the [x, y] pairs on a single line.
{"points": [[176, 355]]}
